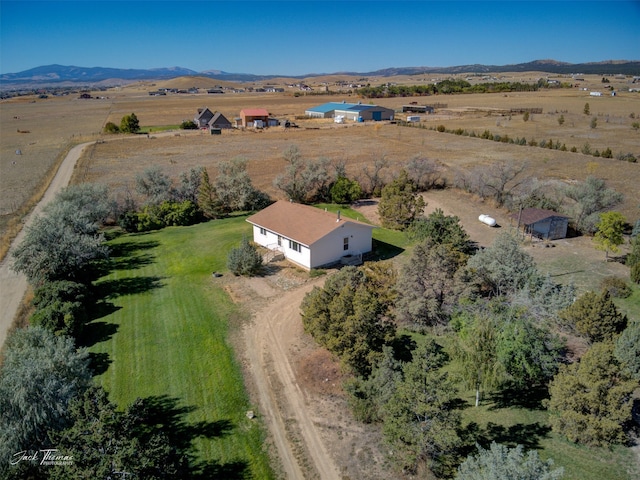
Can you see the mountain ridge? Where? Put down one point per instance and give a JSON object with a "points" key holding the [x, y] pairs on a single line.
{"points": [[55, 73]]}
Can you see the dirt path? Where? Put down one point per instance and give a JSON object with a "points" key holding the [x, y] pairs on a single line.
{"points": [[12, 285], [269, 341]]}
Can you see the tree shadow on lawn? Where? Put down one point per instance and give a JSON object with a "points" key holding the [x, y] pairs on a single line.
{"points": [[125, 256], [527, 435], [383, 251], [110, 289], [99, 362], [530, 399], [162, 415]]}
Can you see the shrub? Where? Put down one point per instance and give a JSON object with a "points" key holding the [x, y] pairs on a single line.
{"points": [[188, 125], [111, 127], [245, 259], [440, 128], [616, 287]]}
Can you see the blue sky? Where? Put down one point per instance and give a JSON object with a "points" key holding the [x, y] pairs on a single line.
{"points": [[300, 37]]}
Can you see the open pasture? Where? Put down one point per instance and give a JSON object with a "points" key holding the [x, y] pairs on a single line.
{"points": [[57, 122], [358, 145]]}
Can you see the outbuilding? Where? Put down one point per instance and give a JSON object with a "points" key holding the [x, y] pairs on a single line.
{"points": [[251, 115], [541, 223], [327, 110], [311, 237], [362, 113], [350, 111]]}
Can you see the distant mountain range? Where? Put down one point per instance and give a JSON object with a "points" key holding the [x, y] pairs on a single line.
{"points": [[59, 74]]}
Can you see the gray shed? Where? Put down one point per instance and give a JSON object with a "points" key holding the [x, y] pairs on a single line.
{"points": [[541, 223]]}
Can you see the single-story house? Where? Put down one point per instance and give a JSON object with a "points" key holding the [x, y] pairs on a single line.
{"points": [[208, 119], [311, 237], [541, 223], [251, 115]]}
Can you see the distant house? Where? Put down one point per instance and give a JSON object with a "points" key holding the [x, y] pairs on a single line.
{"points": [[208, 119], [350, 111], [541, 223], [249, 117], [311, 237]]}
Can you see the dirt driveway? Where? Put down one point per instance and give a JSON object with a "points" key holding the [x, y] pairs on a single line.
{"points": [[297, 385], [12, 285]]}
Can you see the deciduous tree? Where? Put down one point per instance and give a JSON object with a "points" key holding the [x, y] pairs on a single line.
{"points": [[155, 185], [476, 350], [425, 173], [609, 233], [233, 185], [303, 181], [52, 250], [41, 373], [591, 197], [130, 124]]}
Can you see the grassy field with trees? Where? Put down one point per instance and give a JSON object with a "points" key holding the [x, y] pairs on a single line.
{"points": [[168, 331]]}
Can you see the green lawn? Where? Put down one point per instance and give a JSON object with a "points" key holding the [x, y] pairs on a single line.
{"points": [[528, 425], [158, 128], [164, 330]]}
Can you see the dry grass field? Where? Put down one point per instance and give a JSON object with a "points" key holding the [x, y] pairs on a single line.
{"points": [[57, 122]]}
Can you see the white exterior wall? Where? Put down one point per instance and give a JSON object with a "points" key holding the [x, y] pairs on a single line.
{"points": [[330, 249], [270, 240]]}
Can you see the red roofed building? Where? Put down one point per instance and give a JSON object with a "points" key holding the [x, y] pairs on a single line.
{"points": [[309, 236], [251, 115]]}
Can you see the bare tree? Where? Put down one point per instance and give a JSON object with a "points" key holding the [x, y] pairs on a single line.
{"points": [[424, 172], [374, 177], [304, 181], [499, 181]]}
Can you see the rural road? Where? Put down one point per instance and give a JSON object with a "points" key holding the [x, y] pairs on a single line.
{"points": [[12, 285], [283, 406]]}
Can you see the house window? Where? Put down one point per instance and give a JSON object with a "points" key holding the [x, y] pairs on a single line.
{"points": [[295, 246], [279, 241], [263, 231], [345, 244]]}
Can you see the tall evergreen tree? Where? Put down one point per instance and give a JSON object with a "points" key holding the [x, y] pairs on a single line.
{"points": [[208, 200], [420, 422], [591, 400], [400, 204], [595, 316]]}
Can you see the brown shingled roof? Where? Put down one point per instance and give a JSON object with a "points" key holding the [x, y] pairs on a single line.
{"points": [[529, 216], [302, 223]]}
